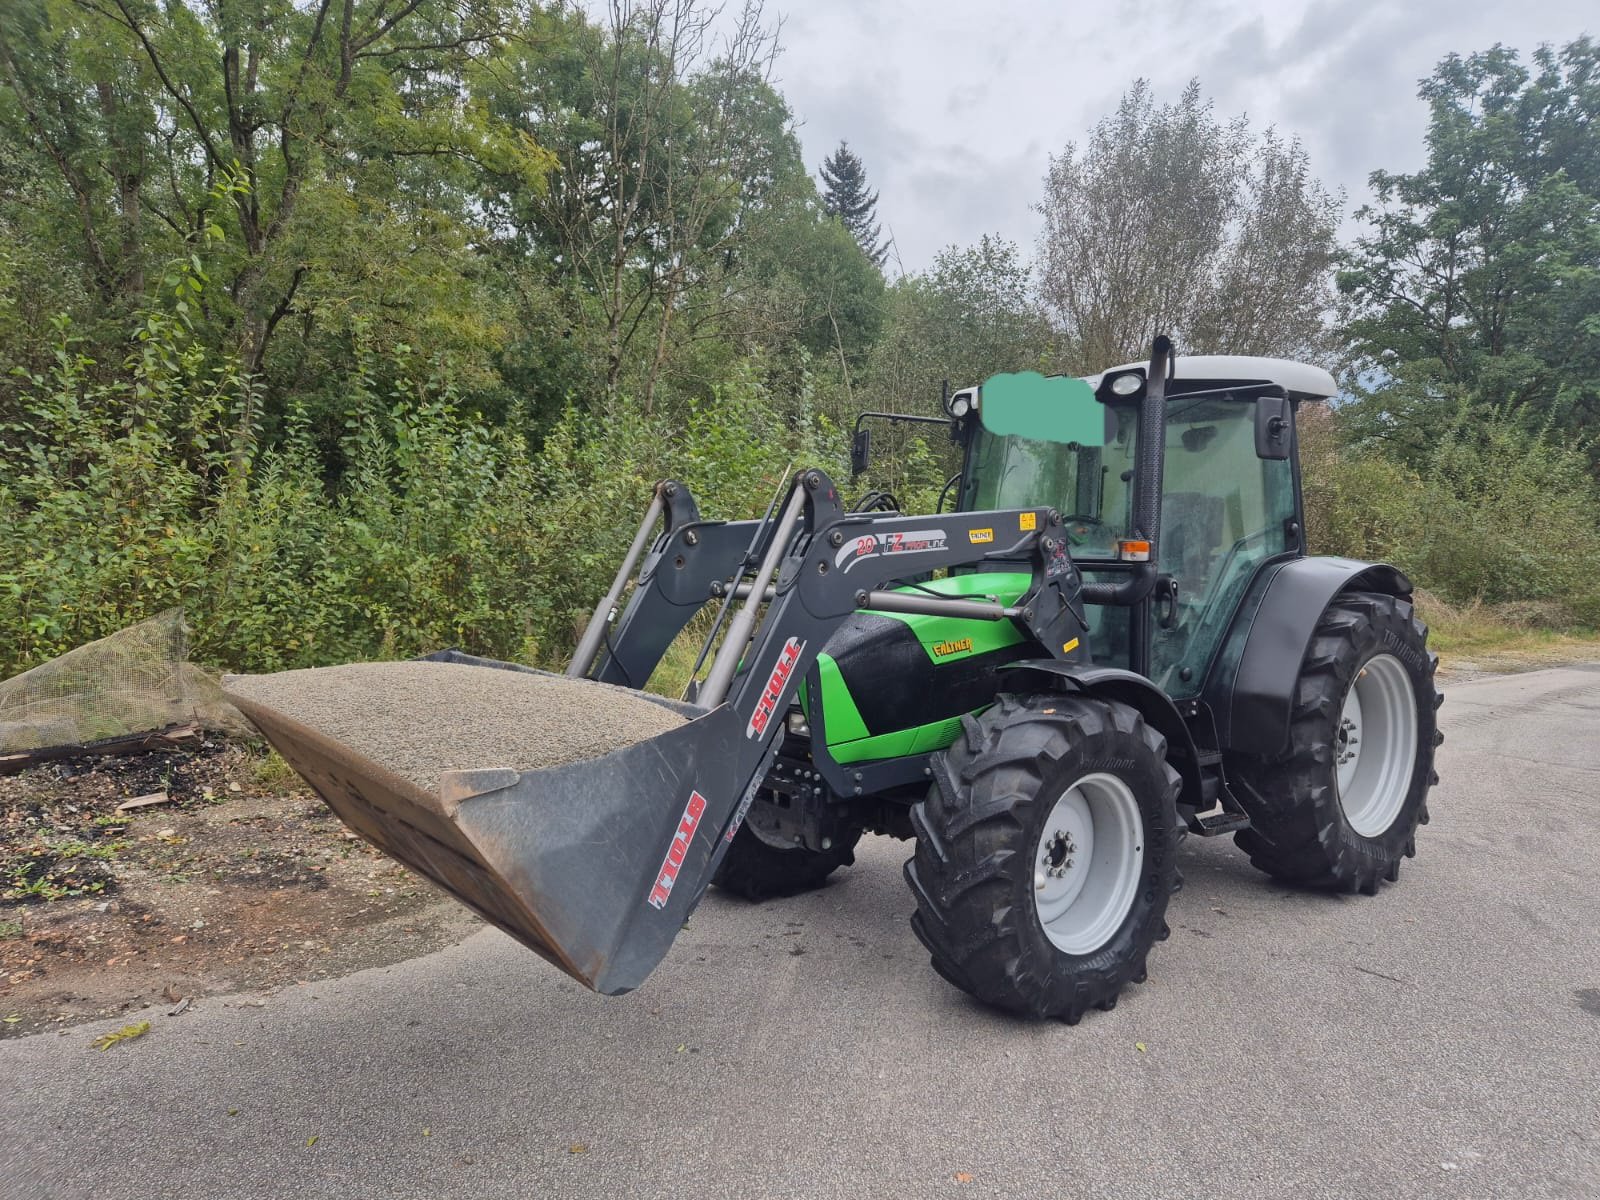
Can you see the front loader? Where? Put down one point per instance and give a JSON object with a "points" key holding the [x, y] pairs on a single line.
{"points": [[1046, 689]]}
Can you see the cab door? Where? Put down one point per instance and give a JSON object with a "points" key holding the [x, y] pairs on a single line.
{"points": [[1224, 512]]}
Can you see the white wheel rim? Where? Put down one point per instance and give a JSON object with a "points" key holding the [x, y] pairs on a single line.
{"points": [[1375, 745], [1087, 863]]}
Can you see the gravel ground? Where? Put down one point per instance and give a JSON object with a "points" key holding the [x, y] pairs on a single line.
{"points": [[420, 719]]}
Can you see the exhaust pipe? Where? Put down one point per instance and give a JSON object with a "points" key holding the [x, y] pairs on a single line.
{"points": [[1148, 473]]}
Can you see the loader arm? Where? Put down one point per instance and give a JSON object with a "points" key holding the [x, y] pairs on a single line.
{"points": [[675, 581], [821, 565]]}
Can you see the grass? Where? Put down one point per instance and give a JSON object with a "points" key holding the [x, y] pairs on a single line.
{"points": [[50, 871], [104, 852], [672, 672], [26, 887], [1485, 637], [274, 774]]}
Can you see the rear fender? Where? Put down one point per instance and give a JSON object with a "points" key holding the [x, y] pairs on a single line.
{"points": [[1251, 686], [1137, 692]]}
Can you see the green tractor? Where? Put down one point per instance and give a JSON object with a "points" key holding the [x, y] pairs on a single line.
{"points": [[1114, 637]]}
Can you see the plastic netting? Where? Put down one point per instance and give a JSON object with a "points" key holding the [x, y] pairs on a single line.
{"points": [[136, 681]]}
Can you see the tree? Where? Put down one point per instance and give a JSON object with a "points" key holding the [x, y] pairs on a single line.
{"points": [[972, 314], [338, 143], [845, 195], [1171, 220], [667, 135], [1477, 282]]}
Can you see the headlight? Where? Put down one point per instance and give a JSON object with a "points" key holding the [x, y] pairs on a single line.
{"points": [[798, 726], [961, 403], [1126, 385]]}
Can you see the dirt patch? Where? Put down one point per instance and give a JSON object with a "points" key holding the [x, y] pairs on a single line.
{"points": [[243, 880], [1479, 663]]}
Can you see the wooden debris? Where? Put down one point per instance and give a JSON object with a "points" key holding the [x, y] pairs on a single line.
{"points": [[144, 801], [171, 738]]}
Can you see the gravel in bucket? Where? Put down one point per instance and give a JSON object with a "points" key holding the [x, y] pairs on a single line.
{"points": [[421, 719]]}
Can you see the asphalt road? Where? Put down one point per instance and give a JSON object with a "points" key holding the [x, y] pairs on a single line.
{"points": [[1441, 1039]]}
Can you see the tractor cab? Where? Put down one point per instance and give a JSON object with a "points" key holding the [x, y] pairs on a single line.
{"points": [[1228, 490]]}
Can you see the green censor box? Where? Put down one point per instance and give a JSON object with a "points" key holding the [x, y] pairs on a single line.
{"points": [[1061, 408]]}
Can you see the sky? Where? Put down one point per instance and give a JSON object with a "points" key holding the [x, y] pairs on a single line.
{"points": [[955, 107]]}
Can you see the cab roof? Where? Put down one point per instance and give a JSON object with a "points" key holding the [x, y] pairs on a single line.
{"points": [[1300, 380]]}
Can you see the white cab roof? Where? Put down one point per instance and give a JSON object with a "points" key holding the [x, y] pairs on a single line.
{"points": [[1301, 380]]}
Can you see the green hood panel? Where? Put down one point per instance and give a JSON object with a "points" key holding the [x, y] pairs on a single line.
{"points": [[897, 684], [946, 638]]}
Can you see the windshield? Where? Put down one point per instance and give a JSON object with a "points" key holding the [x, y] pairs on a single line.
{"points": [[1085, 482]]}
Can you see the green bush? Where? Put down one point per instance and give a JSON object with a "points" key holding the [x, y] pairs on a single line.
{"points": [[1513, 517], [128, 488], [439, 529], [1501, 515]]}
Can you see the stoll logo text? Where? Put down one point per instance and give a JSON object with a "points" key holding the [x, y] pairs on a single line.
{"points": [[773, 692]]}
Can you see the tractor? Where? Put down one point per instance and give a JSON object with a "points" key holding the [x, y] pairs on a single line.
{"points": [[1110, 638]]}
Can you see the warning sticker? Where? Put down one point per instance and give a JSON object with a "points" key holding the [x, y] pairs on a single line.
{"points": [[1026, 521]]}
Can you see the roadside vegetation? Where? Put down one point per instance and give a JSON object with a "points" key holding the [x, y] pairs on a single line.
{"points": [[358, 338]]}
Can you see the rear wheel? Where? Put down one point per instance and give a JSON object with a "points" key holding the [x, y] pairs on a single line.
{"points": [[1341, 807], [1045, 854], [758, 871]]}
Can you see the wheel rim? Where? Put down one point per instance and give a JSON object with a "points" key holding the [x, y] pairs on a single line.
{"points": [[1087, 863], [1375, 745]]}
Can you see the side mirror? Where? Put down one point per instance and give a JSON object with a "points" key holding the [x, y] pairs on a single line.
{"points": [[860, 451], [1272, 427]]}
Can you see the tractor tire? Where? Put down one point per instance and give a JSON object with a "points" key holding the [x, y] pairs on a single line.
{"points": [[1003, 909], [758, 871], [1340, 808]]}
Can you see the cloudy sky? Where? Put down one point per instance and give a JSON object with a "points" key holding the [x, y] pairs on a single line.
{"points": [[955, 106]]}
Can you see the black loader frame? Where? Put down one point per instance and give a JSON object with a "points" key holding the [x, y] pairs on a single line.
{"points": [[518, 847]]}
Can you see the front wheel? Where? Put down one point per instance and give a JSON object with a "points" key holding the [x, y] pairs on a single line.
{"points": [[758, 871], [1340, 808], [1045, 855]]}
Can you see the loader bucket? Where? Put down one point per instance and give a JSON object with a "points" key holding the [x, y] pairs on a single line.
{"points": [[593, 864]]}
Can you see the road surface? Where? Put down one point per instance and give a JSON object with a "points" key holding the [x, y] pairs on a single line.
{"points": [[1441, 1039]]}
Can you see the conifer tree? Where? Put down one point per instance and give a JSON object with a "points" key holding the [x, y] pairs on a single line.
{"points": [[845, 195]]}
